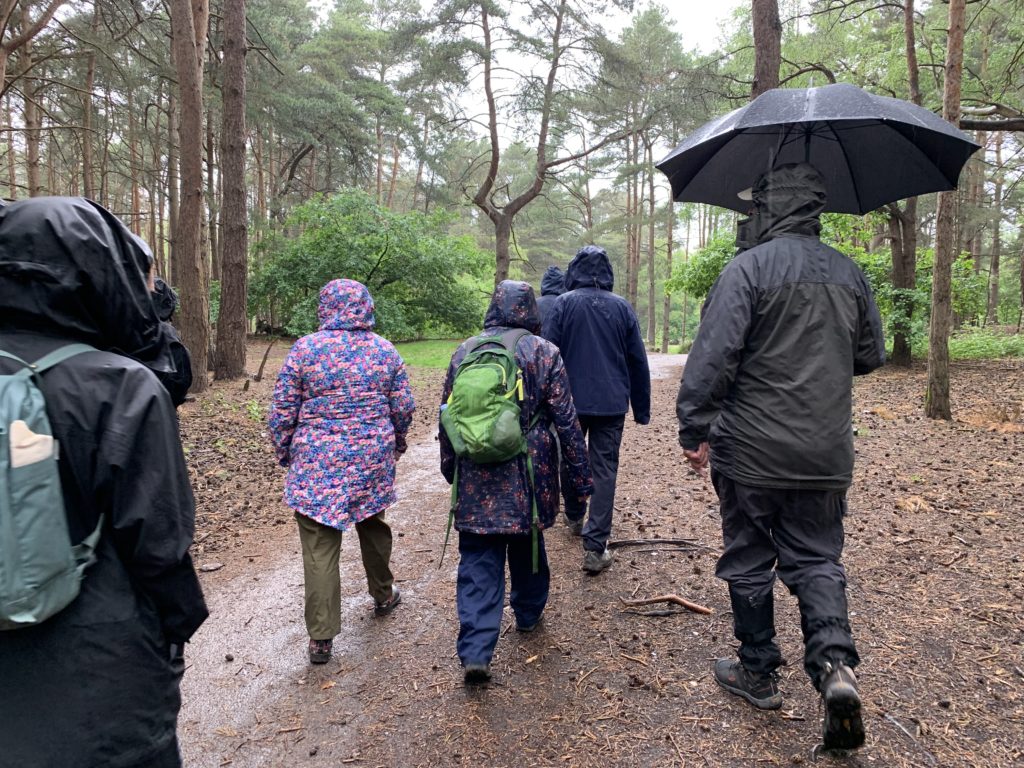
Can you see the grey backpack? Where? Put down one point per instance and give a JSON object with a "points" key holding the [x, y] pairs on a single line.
{"points": [[40, 571]]}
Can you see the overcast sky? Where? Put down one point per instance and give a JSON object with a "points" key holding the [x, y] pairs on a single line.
{"points": [[697, 21]]}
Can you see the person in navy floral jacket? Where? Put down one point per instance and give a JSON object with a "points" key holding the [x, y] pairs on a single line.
{"points": [[341, 410], [493, 509]]}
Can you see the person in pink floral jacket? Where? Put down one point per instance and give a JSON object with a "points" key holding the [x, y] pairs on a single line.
{"points": [[341, 410]]}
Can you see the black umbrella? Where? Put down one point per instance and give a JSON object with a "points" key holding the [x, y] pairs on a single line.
{"points": [[871, 149]]}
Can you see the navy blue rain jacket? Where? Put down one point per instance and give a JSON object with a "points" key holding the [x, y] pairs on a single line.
{"points": [[552, 285], [600, 341]]}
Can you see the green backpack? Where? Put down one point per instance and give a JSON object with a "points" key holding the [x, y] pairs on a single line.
{"points": [[482, 415], [40, 571]]}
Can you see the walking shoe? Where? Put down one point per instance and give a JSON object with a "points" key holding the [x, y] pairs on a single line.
{"points": [[320, 651], [761, 690], [386, 607], [844, 726], [477, 674], [595, 562], [575, 526], [527, 628]]}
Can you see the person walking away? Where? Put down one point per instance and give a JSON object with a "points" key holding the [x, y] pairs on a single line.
{"points": [[176, 382], [600, 341], [552, 285], [97, 683], [766, 395], [342, 407], [500, 509]]}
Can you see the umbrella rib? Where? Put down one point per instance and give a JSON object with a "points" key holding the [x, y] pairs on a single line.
{"points": [[853, 179]]}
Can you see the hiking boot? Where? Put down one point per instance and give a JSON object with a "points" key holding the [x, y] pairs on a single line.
{"points": [[386, 607], [527, 628], [477, 674], [575, 526], [761, 690], [320, 651], [844, 726], [595, 562]]}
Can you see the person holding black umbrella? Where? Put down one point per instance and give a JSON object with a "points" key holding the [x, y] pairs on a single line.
{"points": [[766, 398]]}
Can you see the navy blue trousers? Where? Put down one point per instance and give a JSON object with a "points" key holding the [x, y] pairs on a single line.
{"points": [[480, 590], [604, 436]]}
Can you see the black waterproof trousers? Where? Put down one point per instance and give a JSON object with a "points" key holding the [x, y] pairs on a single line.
{"points": [[604, 436], [799, 535]]}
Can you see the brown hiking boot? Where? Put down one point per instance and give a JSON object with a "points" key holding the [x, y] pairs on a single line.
{"points": [[761, 690], [844, 725]]}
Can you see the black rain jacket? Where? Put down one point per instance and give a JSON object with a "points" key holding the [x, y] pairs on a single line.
{"points": [[784, 329], [178, 381], [95, 684], [552, 285], [599, 337]]}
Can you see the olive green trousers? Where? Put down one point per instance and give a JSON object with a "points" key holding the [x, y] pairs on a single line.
{"points": [[321, 547]]}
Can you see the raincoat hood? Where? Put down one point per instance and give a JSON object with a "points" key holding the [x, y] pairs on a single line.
{"points": [[553, 282], [590, 268], [165, 299], [513, 305], [345, 305], [788, 200], [69, 267]]}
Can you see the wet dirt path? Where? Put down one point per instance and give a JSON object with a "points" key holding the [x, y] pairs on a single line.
{"points": [[250, 697]]}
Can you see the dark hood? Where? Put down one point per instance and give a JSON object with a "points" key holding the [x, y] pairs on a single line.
{"points": [[553, 282], [165, 299], [788, 200], [513, 306], [590, 268], [71, 268], [346, 305]]}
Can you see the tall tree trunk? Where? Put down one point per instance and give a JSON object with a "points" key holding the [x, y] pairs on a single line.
{"points": [[652, 333], [396, 155], [937, 405], [379, 132], [420, 163], [232, 323], [135, 164], [12, 160], [189, 40], [767, 46], [666, 310], [88, 182], [173, 184], [992, 316], [502, 239], [213, 210]]}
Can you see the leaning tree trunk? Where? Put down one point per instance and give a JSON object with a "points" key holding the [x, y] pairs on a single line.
{"points": [[937, 405], [232, 323], [189, 42]]}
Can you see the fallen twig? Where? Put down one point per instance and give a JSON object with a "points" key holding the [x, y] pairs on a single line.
{"points": [[680, 543], [898, 724], [695, 607]]}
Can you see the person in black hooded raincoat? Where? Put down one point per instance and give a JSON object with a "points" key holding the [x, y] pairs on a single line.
{"points": [[178, 381], [766, 392], [493, 512], [98, 683], [552, 285]]}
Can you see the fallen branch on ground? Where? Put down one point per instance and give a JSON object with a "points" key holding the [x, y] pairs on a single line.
{"points": [[695, 607], [681, 543]]}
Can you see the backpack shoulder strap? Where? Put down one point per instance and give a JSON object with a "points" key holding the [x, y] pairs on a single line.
{"points": [[59, 355], [510, 338]]}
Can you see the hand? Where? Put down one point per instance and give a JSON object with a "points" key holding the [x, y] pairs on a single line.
{"points": [[698, 459]]}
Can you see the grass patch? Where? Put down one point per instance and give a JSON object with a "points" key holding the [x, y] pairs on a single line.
{"points": [[978, 344], [434, 353]]}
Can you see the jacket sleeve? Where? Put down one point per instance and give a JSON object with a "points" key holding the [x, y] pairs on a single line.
{"points": [[870, 351], [153, 511], [553, 324], [639, 373], [448, 457], [712, 363], [287, 402], [558, 399], [401, 404]]}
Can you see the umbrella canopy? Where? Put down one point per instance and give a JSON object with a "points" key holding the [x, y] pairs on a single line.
{"points": [[871, 150]]}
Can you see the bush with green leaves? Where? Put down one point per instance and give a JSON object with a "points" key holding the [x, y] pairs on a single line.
{"points": [[424, 281], [696, 275]]}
